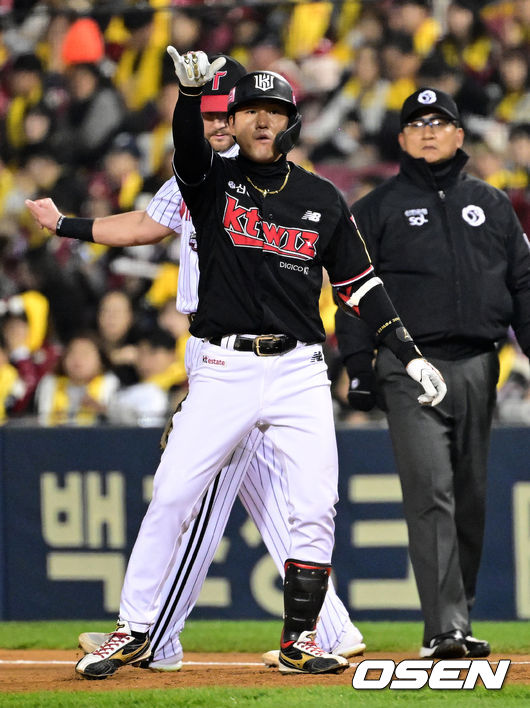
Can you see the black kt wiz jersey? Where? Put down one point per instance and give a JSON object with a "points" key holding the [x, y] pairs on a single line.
{"points": [[269, 252]]}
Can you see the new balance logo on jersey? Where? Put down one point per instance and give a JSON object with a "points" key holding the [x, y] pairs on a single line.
{"points": [[264, 82], [417, 217], [312, 216], [317, 356], [246, 229]]}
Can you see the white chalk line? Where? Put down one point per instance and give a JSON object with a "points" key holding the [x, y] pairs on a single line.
{"points": [[53, 662], [50, 662]]}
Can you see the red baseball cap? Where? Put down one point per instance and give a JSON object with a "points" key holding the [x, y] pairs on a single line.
{"points": [[215, 92]]}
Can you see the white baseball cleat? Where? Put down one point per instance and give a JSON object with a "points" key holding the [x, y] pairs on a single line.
{"points": [[352, 650], [304, 656], [271, 658], [350, 645], [91, 641], [171, 663], [121, 648]]}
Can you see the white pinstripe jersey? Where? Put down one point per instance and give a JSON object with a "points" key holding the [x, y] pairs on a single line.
{"points": [[168, 208]]}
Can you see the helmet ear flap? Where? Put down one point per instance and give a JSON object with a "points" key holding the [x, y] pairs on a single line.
{"points": [[286, 140]]}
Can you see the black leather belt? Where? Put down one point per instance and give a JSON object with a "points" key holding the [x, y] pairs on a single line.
{"points": [[261, 345]]}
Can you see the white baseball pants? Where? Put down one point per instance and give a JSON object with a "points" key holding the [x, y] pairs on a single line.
{"points": [[231, 393]]}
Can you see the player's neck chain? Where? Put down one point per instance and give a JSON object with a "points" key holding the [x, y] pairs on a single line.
{"points": [[265, 192]]}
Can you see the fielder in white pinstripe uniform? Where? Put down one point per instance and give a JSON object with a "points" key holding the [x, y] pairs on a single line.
{"points": [[252, 471]]}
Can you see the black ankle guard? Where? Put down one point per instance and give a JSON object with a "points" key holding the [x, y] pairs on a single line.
{"points": [[304, 590]]}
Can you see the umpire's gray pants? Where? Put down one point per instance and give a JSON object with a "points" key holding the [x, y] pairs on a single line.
{"points": [[441, 455]]}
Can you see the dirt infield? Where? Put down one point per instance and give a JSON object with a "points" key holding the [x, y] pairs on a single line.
{"points": [[34, 670]]}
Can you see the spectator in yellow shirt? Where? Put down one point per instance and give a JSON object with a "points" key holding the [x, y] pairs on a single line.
{"points": [[80, 393]]}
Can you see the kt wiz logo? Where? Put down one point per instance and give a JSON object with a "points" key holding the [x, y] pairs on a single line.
{"points": [[246, 229], [264, 82], [453, 675]]}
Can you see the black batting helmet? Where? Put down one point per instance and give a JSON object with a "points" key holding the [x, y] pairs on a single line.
{"points": [[268, 86]]}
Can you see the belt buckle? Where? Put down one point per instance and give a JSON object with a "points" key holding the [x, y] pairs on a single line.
{"points": [[257, 341]]}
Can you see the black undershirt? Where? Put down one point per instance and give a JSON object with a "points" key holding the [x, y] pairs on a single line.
{"points": [[269, 176]]}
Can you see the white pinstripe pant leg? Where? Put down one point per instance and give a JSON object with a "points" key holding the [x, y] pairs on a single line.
{"points": [[264, 496], [196, 552], [298, 410], [223, 406]]}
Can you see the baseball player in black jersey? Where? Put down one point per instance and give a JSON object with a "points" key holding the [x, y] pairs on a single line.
{"points": [[253, 470], [265, 228]]}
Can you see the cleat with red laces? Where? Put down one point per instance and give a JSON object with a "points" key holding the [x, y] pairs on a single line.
{"points": [[304, 656], [121, 648]]}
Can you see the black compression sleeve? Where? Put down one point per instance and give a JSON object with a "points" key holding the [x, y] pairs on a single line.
{"points": [[377, 310], [193, 152], [356, 342], [72, 227]]}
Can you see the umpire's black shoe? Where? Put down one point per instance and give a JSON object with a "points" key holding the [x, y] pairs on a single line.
{"points": [[477, 648], [121, 648], [450, 645]]}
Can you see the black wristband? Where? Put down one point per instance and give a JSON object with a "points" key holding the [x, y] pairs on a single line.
{"points": [[73, 227], [378, 311]]}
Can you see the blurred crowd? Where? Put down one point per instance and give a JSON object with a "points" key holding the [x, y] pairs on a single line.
{"points": [[90, 334]]}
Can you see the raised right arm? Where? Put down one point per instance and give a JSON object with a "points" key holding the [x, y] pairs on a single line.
{"points": [[193, 153]]}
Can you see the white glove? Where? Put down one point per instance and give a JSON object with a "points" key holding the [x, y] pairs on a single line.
{"points": [[193, 68], [430, 378]]}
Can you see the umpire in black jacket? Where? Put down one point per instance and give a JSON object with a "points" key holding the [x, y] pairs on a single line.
{"points": [[456, 264]]}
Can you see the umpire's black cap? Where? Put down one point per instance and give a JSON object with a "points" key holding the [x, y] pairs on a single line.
{"points": [[215, 92], [427, 100], [262, 86]]}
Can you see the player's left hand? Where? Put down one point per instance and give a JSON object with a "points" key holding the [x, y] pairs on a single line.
{"points": [[193, 69], [430, 378]]}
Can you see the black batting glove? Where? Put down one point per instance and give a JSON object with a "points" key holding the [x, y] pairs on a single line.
{"points": [[361, 394]]}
